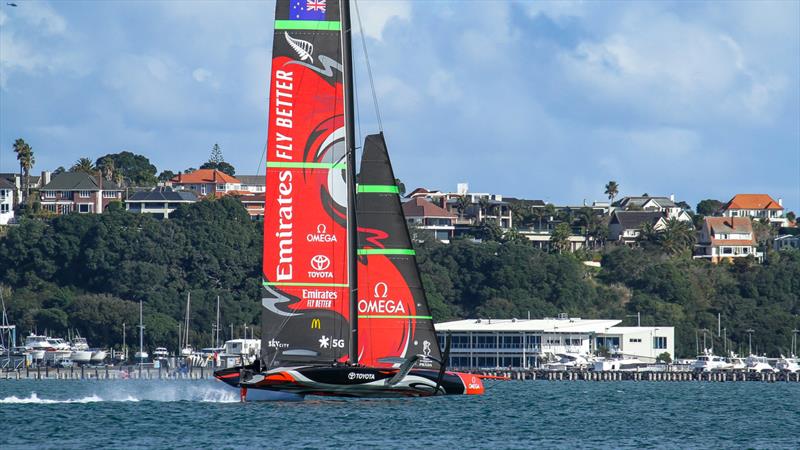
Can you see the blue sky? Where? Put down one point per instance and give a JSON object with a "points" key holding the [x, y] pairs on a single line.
{"points": [[535, 100]]}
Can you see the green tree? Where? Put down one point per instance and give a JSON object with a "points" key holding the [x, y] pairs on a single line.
{"points": [[612, 190], [217, 162], [677, 237], [165, 176], [462, 203], [84, 165], [559, 239], [26, 162], [791, 216], [401, 187], [130, 168], [105, 166], [708, 207]]}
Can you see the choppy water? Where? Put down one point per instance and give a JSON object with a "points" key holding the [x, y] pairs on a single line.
{"points": [[184, 414]]}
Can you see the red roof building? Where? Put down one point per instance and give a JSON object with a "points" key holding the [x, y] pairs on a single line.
{"points": [[725, 238], [757, 206], [207, 182], [422, 214]]}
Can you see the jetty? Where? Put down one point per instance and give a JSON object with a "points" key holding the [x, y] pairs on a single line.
{"points": [[660, 376]]}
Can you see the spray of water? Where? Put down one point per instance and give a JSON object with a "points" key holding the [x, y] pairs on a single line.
{"points": [[136, 391]]}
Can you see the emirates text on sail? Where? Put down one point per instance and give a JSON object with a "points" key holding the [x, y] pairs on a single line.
{"points": [[284, 150]]}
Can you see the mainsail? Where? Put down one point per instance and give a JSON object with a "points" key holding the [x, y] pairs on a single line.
{"points": [[394, 317], [305, 303]]}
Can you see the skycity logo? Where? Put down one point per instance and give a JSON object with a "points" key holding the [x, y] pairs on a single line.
{"points": [[274, 343]]}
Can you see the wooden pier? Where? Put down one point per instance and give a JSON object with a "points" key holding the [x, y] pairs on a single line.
{"points": [[655, 376]]}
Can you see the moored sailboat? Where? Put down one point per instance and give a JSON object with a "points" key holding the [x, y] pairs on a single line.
{"points": [[343, 310]]}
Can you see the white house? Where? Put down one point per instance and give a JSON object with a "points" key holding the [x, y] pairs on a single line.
{"points": [[786, 241], [724, 238], [756, 206], [626, 226], [7, 189]]}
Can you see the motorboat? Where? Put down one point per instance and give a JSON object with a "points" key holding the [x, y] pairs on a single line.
{"points": [[736, 362], [619, 365], [568, 361], [758, 364], [789, 364], [141, 356], [160, 353], [37, 345], [98, 356], [81, 354], [708, 362]]}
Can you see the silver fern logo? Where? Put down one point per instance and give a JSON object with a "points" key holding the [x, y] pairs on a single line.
{"points": [[303, 48]]}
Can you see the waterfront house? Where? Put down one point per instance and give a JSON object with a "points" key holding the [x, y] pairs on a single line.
{"points": [[256, 184], [664, 205], [725, 238], [626, 226], [7, 193], [756, 206], [78, 192], [786, 241], [254, 204], [521, 343], [476, 207], [422, 214], [206, 182], [160, 202]]}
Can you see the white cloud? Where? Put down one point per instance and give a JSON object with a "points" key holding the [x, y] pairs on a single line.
{"points": [[673, 68], [555, 10], [42, 17], [376, 14]]}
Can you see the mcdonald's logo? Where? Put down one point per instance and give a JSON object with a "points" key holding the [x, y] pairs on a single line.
{"points": [[316, 323]]}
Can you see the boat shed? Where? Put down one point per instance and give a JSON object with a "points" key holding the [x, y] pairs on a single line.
{"points": [[523, 343]]}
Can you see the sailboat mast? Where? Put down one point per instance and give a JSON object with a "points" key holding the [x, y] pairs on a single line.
{"points": [[350, 138]]}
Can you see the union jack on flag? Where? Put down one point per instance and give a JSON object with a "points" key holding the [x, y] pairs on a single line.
{"points": [[316, 5]]}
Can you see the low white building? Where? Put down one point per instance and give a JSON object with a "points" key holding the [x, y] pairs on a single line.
{"points": [[523, 343], [7, 189]]}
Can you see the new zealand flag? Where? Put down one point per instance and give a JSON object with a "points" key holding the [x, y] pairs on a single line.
{"points": [[308, 10]]}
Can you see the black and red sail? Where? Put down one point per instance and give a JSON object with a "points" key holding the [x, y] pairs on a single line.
{"points": [[394, 318], [305, 303]]}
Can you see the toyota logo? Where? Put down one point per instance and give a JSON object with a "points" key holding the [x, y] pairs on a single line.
{"points": [[381, 290], [321, 229], [320, 262], [351, 375]]}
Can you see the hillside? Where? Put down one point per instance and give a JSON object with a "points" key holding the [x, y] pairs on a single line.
{"points": [[87, 272]]}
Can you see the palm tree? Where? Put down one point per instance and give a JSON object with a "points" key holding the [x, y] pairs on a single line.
{"points": [[462, 203], [676, 237], [26, 161], [612, 189], [83, 165], [106, 167], [559, 239]]}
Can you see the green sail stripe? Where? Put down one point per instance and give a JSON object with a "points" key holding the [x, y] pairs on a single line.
{"points": [[305, 165], [386, 251], [317, 25], [378, 189], [361, 316], [288, 283]]}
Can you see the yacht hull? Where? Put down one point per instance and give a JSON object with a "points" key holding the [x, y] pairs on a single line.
{"points": [[345, 381]]}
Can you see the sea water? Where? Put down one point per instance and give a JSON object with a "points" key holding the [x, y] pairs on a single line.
{"points": [[205, 414]]}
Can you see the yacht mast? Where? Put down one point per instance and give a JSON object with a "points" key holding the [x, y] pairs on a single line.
{"points": [[216, 327], [141, 336], [352, 227]]}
